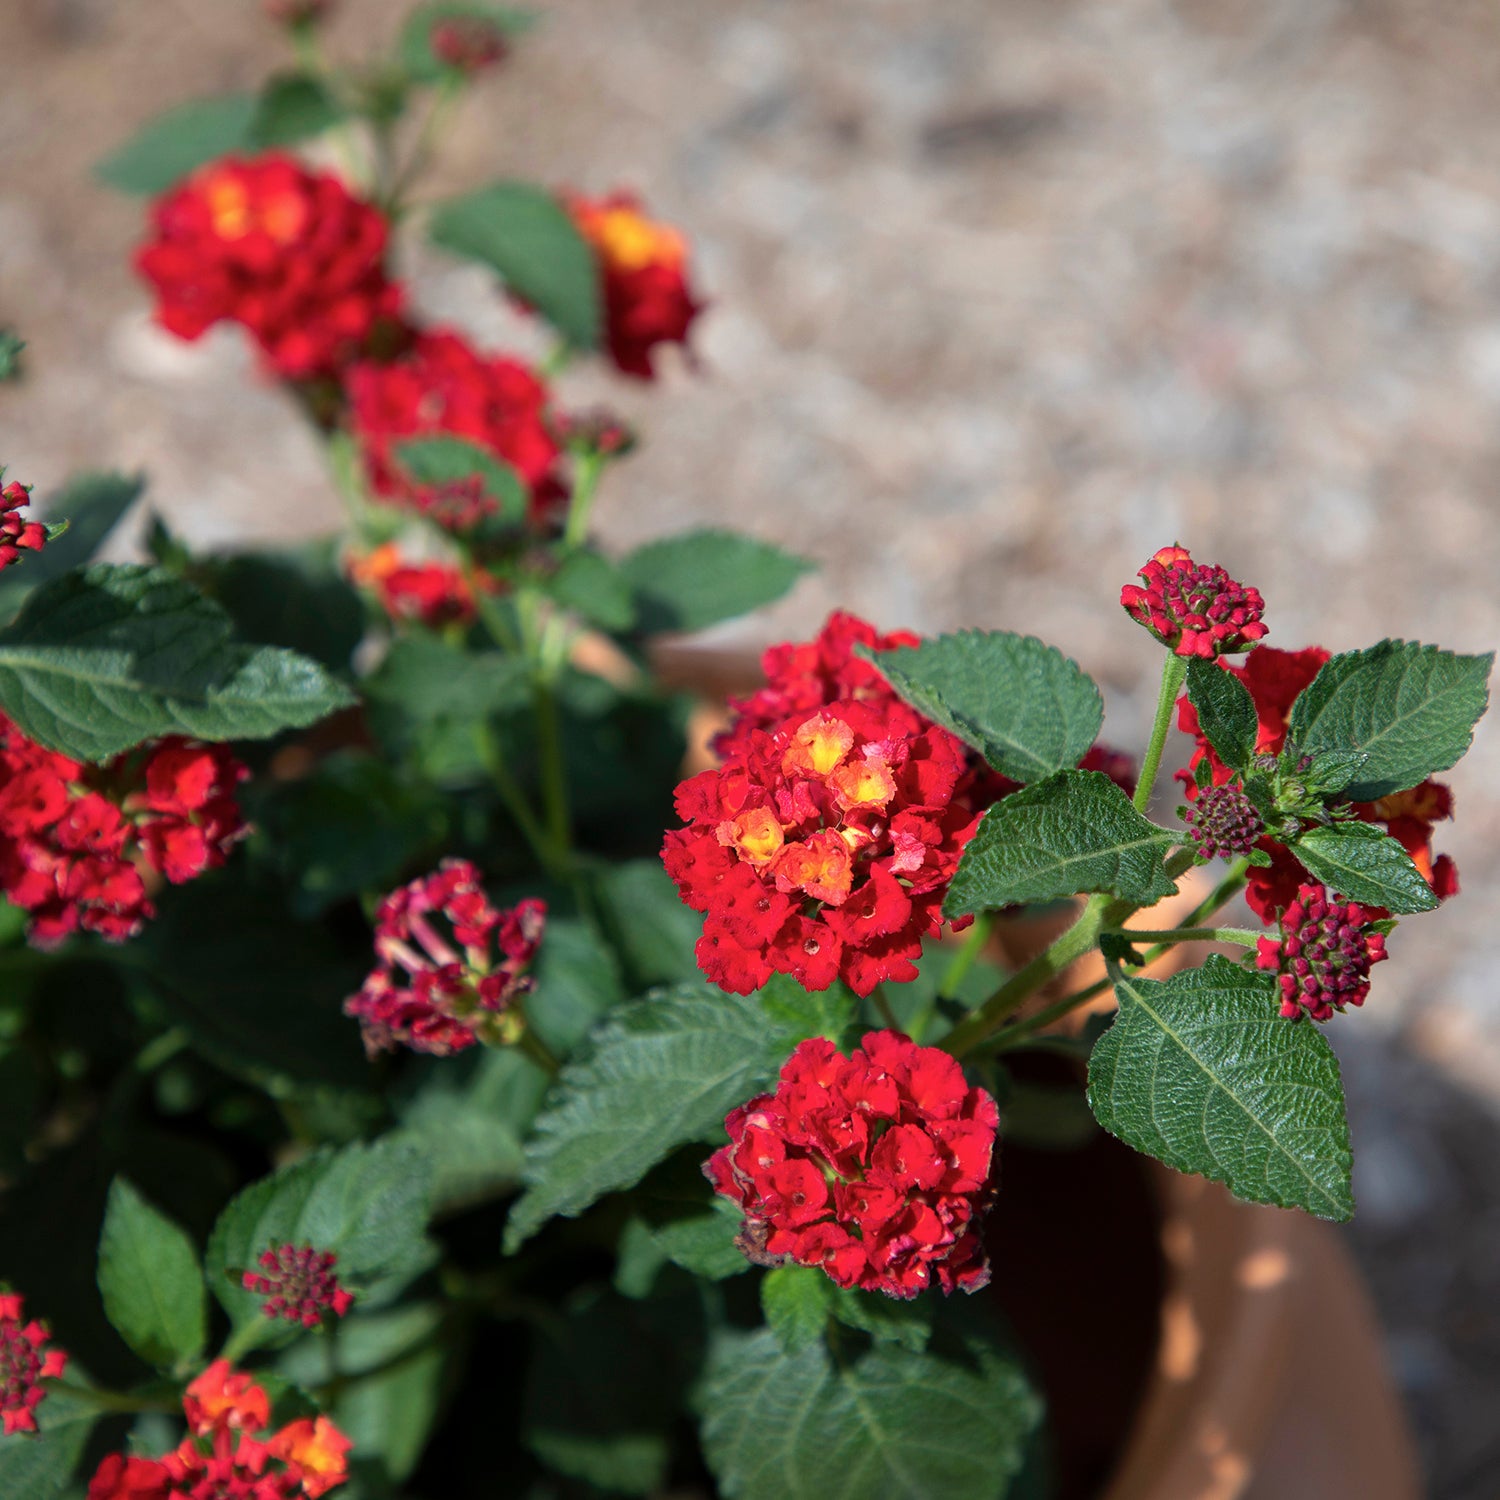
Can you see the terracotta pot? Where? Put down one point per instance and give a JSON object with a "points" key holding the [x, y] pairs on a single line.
{"points": [[1259, 1374]]}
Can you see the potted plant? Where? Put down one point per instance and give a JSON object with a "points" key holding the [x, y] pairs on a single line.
{"points": [[421, 1080]]}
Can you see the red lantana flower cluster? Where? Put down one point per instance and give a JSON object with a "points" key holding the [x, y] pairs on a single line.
{"points": [[468, 43], [285, 251], [643, 273], [453, 968], [442, 387], [823, 849], [17, 535], [433, 593], [1194, 609], [74, 838], [299, 1284], [1323, 956], [1274, 679], [25, 1361], [230, 1453], [874, 1166]]}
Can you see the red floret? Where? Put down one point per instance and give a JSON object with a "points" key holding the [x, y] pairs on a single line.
{"points": [[824, 849], [1323, 956], [299, 1284], [452, 967], [25, 1361], [643, 276], [875, 1167], [1192, 608], [284, 251], [74, 838], [443, 387]]}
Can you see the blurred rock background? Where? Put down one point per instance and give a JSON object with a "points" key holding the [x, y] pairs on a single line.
{"points": [[1006, 294]]}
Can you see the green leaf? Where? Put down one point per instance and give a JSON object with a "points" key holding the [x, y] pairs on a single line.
{"points": [[599, 1399], [884, 1423], [366, 1203], [1226, 712], [295, 598], [99, 660], [687, 583], [659, 1074], [702, 1241], [593, 587], [1411, 708], [1074, 832], [1201, 1072], [150, 1280], [293, 107], [797, 1302], [391, 1413], [415, 49], [92, 504], [525, 235], [651, 929], [1363, 863], [444, 461], [468, 1120], [426, 679], [269, 1011], [167, 148], [1022, 704], [36, 1466], [355, 824], [10, 354], [577, 982]]}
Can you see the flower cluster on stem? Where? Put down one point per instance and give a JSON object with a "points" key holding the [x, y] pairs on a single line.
{"points": [[452, 967], [26, 1359], [874, 1166], [299, 1284], [230, 1452]]}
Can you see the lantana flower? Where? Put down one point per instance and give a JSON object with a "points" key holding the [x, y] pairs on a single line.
{"points": [[443, 387], [1275, 678], [453, 968], [433, 593], [299, 1283], [875, 1167], [18, 535], [74, 838], [285, 251], [643, 275], [1194, 609], [230, 1452], [823, 850], [26, 1359], [1323, 955]]}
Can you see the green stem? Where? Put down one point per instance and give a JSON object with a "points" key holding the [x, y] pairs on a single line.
{"points": [[975, 939], [883, 1005], [1226, 890], [1172, 673], [1169, 935], [1220, 896], [554, 774], [113, 1400], [246, 1338], [448, 94], [585, 488], [532, 1046], [511, 795], [1073, 944]]}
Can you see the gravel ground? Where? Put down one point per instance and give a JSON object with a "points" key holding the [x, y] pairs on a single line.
{"points": [[1005, 295]]}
